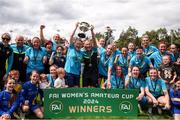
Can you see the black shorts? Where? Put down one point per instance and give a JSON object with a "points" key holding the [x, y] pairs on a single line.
{"points": [[90, 79], [72, 80]]}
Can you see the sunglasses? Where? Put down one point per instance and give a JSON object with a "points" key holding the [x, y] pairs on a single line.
{"points": [[7, 39]]}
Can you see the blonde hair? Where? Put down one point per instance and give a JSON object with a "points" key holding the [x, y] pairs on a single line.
{"points": [[60, 70]]}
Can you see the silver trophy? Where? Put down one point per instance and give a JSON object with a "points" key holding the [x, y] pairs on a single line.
{"points": [[84, 27]]}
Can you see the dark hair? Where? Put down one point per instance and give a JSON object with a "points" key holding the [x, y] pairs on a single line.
{"points": [[48, 42], [35, 38], [60, 47], [34, 71], [140, 75], [174, 88], [139, 47]]}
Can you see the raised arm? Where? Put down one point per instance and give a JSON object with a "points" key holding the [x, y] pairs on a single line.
{"points": [[72, 35], [93, 36], [43, 40], [51, 60]]}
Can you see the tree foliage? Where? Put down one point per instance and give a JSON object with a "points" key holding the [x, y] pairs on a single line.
{"points": [[161, 34], [130, 35]]}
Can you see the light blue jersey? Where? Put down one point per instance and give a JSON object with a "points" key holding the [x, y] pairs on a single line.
{"points": [[111, 62], [131, 54], [104, 62], [142, 63], [19, 50], [156, 87], [73, 61], [135, 83], [35, 59], [117, 82], [115, 53], [149, 50], [123, 62], [101, 50], [54, 45]]}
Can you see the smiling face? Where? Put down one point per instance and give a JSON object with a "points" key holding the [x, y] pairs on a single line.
{"points": [[130, 47], [78, 45], [34, 77], [162, 47], [109, 50], [135, 72], [36, 42], [10, 85], [102, 42], [52, 70], [124, 51], [19, 40], [49, 47], [118, 71], [87, 45], [57, 38], [139, 52], [145, 41], [173, 48], [166, 59], [59, 49], [153, 74], [114, 46], [6, 39]]}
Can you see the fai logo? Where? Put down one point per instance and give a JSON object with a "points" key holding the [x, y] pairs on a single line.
{"points": [[125, 107], [56, 107]]}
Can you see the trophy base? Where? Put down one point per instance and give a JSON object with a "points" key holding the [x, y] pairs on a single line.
{"points": [[81, 35]]}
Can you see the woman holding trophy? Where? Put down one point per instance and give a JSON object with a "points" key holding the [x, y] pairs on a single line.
{"points": [[73, 61], [90, 53]]}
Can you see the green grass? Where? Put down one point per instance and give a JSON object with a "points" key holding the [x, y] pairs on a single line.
{"points": [[140, 117]]}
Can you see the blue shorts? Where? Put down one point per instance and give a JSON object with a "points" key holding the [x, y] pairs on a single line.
{"points": [[176, 109], [72, 79], [33, 107], [143, 101]]}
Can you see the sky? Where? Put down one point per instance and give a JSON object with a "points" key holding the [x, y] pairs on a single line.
{"points": [[60, 16]]}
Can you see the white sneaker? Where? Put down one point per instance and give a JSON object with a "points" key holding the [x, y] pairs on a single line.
{"points": [[22, 115], [150, 110]]}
